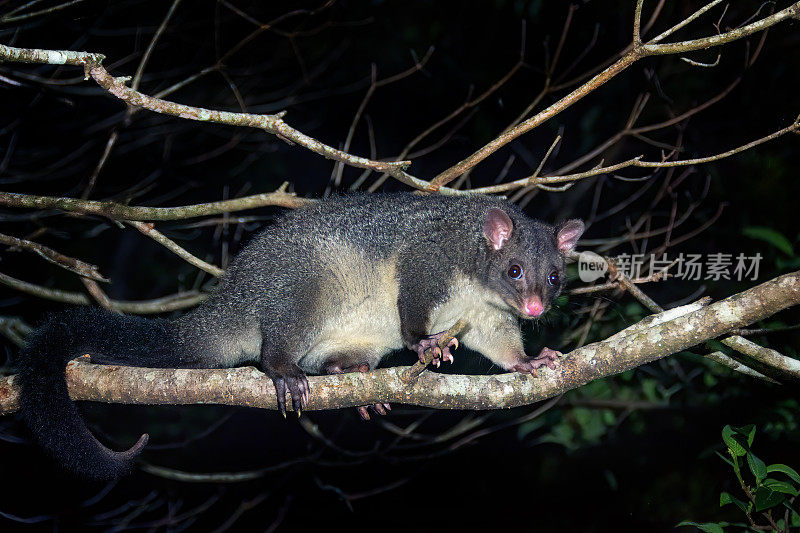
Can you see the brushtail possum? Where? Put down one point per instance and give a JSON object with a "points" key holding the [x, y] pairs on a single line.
{"points": [[332, 287]]}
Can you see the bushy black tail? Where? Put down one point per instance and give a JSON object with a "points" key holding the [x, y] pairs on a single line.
{"points": [[45, 404]]}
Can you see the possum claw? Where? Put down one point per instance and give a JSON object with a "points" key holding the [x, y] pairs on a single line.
{"points": [[296, 381], [380, 408], [546, 357], [439, 354]]}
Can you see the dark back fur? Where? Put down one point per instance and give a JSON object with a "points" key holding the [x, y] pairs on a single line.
{"points": [[444, 230]]}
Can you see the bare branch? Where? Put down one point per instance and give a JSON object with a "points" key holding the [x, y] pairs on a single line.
{"points": [[73, 265], [632, 55], [150, 231], [637, 24], [50, 57], [651, 339], [685, 21], [12, 16], [526, 126], [651, 48], [767, 356], [635, 162], [116, 86], [117, 211], [15, 329], [137, 78], [181, 300], [736, 366]]}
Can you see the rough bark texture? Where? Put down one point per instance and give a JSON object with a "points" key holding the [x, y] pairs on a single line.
{"points": [[653, 338]]}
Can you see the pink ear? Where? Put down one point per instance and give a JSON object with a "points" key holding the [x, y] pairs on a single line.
{"points": [[497, 228], [568, 234]]}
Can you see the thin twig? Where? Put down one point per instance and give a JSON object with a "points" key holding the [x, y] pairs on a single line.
{"points": [[767, 356], [77, 266], [634, 162], [631, 56], [149, 230], [181, 300], [117, 211], [413, 372]]}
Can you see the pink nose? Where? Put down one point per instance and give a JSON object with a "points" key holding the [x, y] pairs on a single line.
{"points": [[533, 306]]}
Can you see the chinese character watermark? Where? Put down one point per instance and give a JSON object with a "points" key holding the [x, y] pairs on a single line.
{"points": [[692, 267]]}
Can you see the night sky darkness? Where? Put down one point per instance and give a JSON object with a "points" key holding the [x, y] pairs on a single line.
{"points": [[635, 466]]}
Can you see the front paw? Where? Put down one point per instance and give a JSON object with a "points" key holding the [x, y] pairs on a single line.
{"points": [[439, 353], [546, 357]]}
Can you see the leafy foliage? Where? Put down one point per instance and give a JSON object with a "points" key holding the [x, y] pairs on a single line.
{"points": [[770, 491]]}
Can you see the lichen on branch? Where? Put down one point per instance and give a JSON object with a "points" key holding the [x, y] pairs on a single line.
{"points": [[653, 338]]}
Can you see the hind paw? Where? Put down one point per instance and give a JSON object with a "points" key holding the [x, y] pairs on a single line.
{"points": [[335, 366], [296, 381], [380, 408]]}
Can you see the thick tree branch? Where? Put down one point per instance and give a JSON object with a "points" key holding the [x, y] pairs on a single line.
{"points": [[653, 338]]}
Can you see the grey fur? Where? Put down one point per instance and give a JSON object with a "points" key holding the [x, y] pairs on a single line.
{"points": [[331, 287], [287, 284]]}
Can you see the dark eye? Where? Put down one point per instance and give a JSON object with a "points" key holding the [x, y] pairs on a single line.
{"points": [[552, 279], [515, 271]]}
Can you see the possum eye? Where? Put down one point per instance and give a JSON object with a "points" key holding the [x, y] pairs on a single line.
{"points": [[515, 272], [552, 279]]}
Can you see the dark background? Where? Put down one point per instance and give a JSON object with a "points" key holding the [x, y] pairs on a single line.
{"points": [[633, 452]]}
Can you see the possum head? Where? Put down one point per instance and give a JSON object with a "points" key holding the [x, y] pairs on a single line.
{"points": [[526, 259]]}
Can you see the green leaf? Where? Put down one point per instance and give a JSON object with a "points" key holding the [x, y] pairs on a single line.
{"points": [[781, 486], [783, 469], [562, 434], [769, 235], [726, 498], [591, 424], [793, 263], [731, 441], [650, 390], [748, 431], [757, 467], [795, 520], [765, 498], [708, 527]]}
